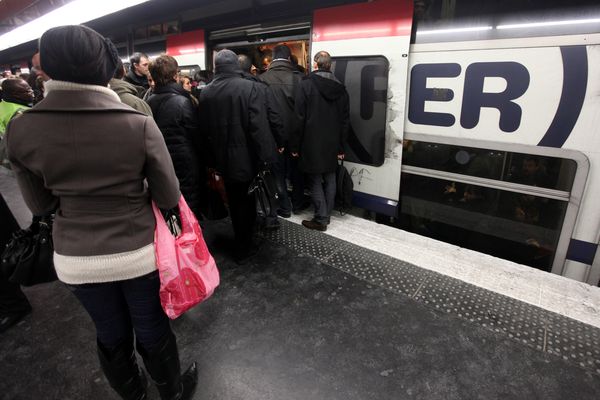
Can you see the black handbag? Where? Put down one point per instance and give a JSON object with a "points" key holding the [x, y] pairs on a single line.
{"points": [[264, 188], [28, 257]]}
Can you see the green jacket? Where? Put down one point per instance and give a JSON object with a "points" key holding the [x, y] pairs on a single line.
{"points": [[7, 111]]}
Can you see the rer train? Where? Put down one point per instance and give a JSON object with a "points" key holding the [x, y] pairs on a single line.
{"points": [[482, 131]]}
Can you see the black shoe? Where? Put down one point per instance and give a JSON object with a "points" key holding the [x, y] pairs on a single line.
{"points": [[162, 363], [312, 224], [6, 321], [120, 368], [243, 257], [284, 214]]}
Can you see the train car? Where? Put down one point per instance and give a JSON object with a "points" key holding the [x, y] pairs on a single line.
{"points": [[483, 132]]}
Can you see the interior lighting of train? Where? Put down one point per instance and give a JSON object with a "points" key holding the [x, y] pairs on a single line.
{"points": [[550, 23], [73, 13]]}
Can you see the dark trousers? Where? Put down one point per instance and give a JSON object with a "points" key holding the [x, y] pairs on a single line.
{"points": [[12, 299], [322, 194], [287, 166], [122, 307], [242, 208]]}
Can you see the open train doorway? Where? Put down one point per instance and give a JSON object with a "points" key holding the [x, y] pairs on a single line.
{"points": [[258, 41]]}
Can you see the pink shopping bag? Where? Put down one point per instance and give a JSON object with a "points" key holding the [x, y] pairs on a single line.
{"points": [[188, 273]]}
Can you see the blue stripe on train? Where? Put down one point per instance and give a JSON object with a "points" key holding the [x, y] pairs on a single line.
{"points": [[580, 251]]}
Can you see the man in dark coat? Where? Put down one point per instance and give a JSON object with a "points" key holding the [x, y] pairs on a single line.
{"points": [[236, 125], [138, 72], [322, 104], [275, 123], [283, 80], [177, 119]]}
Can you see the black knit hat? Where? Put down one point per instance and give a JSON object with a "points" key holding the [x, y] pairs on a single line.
{"points": [[76, 53]]}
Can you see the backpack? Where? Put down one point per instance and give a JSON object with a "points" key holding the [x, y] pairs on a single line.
{"points": [[344, 189]]}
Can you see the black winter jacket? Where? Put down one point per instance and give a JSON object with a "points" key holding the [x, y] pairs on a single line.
{"points": [[140, 82], [178, 121], [273, 111], [323, 107], [234, 119], [283, 79]]}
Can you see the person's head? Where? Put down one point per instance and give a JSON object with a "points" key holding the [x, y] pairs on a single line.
{"points": [[186, 82], [245, 63], [226, 61], [76, 53], [282, 52], [17, 90], [530, 166], [120, 71], [323, 61], [164, 70], [36, 68], [139, 64]]}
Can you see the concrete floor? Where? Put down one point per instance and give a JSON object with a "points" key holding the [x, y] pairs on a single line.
{"points": [[286, 326]]}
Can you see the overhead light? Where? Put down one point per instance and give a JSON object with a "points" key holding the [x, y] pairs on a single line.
{"points": [[74, 13], [454, 30], [550, 23]]}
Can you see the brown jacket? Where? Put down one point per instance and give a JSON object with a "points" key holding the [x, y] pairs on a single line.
{"points": [[87, 156]]}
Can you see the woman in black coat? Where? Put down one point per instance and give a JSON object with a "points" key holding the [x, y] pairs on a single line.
{"points": [[177, 118]]}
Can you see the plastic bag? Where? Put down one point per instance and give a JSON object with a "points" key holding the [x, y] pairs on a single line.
{"points": [[188, 273]]}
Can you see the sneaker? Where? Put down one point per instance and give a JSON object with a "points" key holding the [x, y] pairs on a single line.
{"points": [[312, 224], [284, 214]]}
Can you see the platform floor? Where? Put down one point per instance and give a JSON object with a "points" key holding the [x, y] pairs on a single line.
{"points": [[296, 324]]}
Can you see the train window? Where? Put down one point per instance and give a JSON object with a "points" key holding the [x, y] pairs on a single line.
{"points": [[507, 200], [518, 227], [366, 80], [532, 170]]}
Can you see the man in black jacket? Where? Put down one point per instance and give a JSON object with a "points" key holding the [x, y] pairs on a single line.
{"points": [[283, 80], [322, 105], [138, 72], [177, 118], [234, 118]]}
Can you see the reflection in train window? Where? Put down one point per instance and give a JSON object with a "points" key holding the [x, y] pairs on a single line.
{"points": [[366, 80], [542, 171], [519, 227]]}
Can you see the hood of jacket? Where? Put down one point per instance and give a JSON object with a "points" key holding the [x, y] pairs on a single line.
{"points": [[327, 84], [121, 87]]}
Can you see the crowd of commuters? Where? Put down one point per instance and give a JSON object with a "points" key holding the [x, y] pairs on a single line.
{"points": [[93, 143]]}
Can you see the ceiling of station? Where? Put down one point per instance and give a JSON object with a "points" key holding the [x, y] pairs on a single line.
{"points": [[14, 13]]}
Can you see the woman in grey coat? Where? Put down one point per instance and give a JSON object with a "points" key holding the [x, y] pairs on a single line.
{"points": [[96, 163]]}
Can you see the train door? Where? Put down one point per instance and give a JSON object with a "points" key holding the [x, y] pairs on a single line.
{"points": [[369, 44]]}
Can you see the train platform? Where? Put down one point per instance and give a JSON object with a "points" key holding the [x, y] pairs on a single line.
{"points": [[351, 313]]}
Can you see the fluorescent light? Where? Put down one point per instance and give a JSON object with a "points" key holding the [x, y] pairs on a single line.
{"points": [[550, 23], [73, 13], [454, 30]]}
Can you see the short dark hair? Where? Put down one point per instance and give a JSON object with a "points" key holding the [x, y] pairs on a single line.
{"points": [[136, 57], [281, 51], [120, 71], [245, 62], [163, 70], [323, 60]]}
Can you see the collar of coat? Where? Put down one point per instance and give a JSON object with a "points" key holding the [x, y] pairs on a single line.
{"points": [[53, 85], [69, 96]]}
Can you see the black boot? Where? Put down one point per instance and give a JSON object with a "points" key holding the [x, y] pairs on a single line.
{"points": [[162, 363], [121, 370]]}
